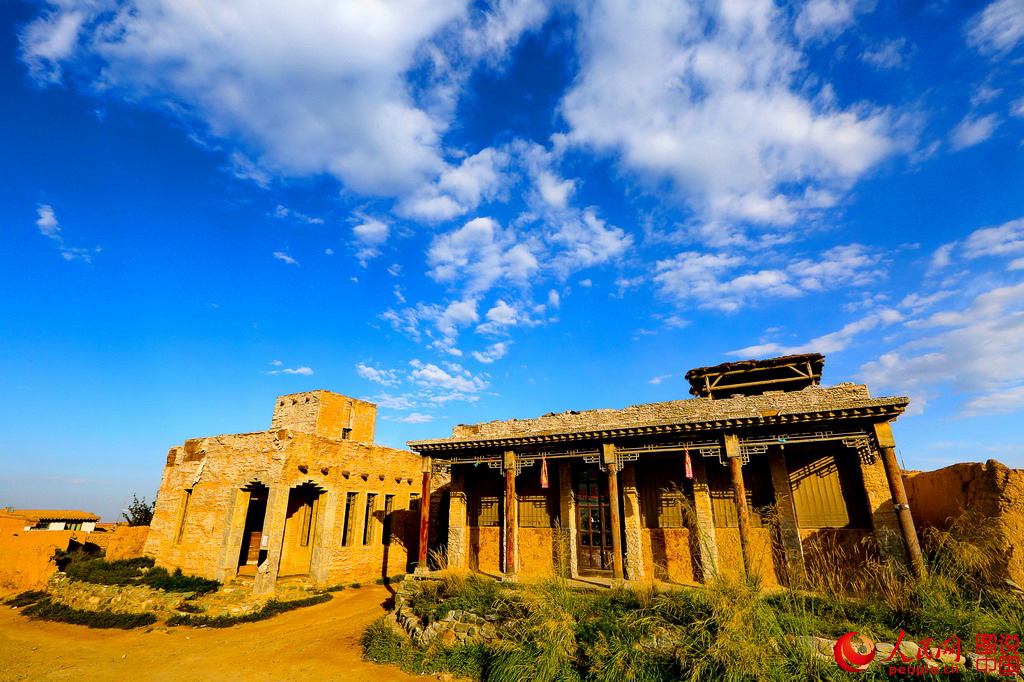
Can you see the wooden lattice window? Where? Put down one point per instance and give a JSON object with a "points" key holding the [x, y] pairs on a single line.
{"points": [[389, 508], [756, 479], [828, 491], [484, 497], [538, 507], [664, 493]]}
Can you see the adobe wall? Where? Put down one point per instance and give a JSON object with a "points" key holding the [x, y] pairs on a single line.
{"points": [[25, 556], [992, 490], [218, 468], [667, 555]]}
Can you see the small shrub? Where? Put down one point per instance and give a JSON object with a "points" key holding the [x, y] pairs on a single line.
{"points": [[188, 607], [269, 610], [102, 572], [356, 586], [48, 610], [26, 598], [160, 579]]}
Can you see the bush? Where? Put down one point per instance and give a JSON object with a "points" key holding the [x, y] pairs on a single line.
{"points": [[137, 571], [433, 599], [48, 610], [382, 643], [26, 598], [334, 588], [269, 610]]}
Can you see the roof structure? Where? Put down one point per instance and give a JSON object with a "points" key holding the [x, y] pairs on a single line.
{"points": [[750, 377], [812, 404], [55, 514]]}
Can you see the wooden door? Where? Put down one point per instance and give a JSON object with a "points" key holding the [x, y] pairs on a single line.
{"points": [[593, 523], [252, 535]]}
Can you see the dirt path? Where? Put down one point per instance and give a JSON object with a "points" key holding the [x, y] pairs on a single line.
{"points": [[317, 642]]}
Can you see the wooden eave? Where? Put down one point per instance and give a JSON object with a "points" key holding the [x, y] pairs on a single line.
{"points": [[873, 413]]}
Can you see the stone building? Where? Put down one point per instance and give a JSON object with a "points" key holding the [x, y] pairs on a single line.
{"points": [[312, 497], [756, 474]]}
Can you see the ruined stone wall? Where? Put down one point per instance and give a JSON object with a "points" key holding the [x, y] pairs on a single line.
{"points": [[992, 491], [325, 414], [675, 411], [217, 469]]}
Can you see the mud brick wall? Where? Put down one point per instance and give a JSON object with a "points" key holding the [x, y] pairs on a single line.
{"points": [[992, 492]]}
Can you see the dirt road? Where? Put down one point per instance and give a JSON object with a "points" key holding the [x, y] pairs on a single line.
{"points": [[317, 642]]}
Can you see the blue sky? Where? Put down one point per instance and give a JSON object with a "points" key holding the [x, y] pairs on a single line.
{"points": [[467, 211]]}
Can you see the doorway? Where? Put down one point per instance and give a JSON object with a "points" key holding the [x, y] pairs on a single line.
{"points": [[253, 553], [593, 523], [300, 529]]}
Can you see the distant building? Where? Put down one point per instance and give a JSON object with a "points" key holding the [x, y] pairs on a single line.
{"points": [[50, 519], [311, 498], [760, 471]]}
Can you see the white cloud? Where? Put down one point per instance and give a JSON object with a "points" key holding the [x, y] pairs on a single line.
{"points": [[888, 54], [306, 87], [369, 236], [977, 351], [999, 27], [1017, 108], [973, 130], [301, 371], [49, 227], [584, 240], [832, 342], [495, 352], [998, 241], [456, 379], [720, 113], [393, 402], [384, 377], [480, 254], [660, 378], [48, 41], [415, 322], [285, 258], [460, 188], [821, 19], [729, 281], [503, 22], [285, 212]]}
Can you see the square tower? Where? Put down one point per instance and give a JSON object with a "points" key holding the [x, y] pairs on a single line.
{"points": [[326, 414]]}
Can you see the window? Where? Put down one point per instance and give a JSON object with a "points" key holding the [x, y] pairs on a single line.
{"points": [[538, 507], [371, 502], [756, 479], [346, 433], [414, 503], [664, 492], [828, 491], [483, 497], [348, 528], [182, 514], [74, 525], [389, 507]]}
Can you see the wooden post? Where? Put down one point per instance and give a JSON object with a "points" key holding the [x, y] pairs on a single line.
{"points": [[792, 546], [611, 461], [421, 563], [894, 476], [739, 491], [511, 512]]}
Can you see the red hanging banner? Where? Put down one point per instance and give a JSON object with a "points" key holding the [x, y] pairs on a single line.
{"points": [[544, 473], [689, 465]]}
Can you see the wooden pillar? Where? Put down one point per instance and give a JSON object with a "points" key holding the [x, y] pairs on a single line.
{"points": [[421, 559], [792, 546], [510, 520], [610, 461], [894, 477], [739, 492]]}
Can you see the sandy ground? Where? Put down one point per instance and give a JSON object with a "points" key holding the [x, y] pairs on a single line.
{"points": [[317, 642]]}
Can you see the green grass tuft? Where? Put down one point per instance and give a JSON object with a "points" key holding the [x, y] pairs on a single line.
{"points": [[48, 610]]}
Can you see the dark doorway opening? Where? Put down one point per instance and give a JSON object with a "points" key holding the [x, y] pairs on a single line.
{"points": [[253, 552]]}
